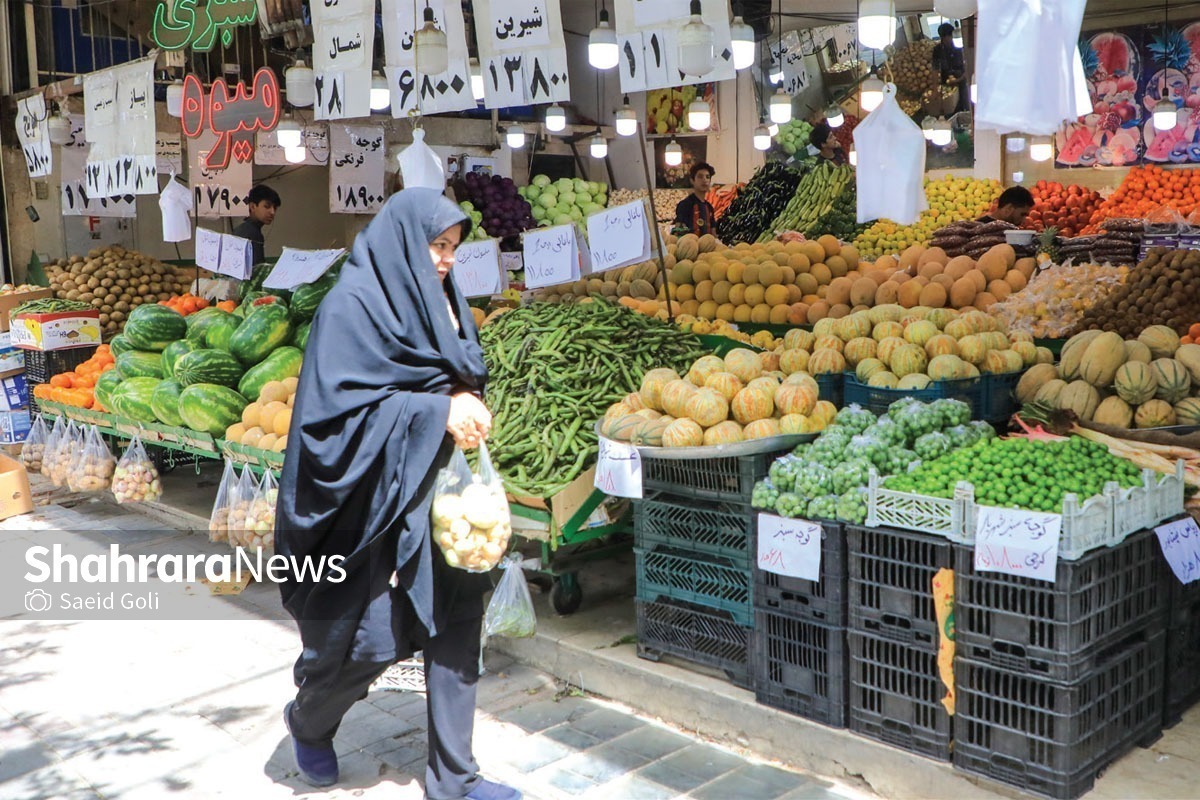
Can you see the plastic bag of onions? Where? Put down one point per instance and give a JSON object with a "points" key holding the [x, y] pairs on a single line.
{"points": [[33, 451], [136, 480], [93, 467]]}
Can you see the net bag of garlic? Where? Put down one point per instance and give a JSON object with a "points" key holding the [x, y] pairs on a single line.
{"points": [[136, 479], [92, 470], [471, 522], [33, 451]]}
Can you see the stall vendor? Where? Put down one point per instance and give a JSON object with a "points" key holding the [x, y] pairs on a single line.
{"points": [[261, 205], [694, 212], [825, 145], [1013, 207]]}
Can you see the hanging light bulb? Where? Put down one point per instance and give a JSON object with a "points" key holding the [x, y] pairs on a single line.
{"points": [[515, 137], [834, 116], [876, 23], [776, 75], [288, 133], [696, 39], [942, 135], [627, 122], [476, 79], [957, 39], [381, 98], [295, 155], [762, 137], [602, 44], [1015, 144], [699, 115], [974, 91], [599, 146], [299, 82], [742, 36], [1041, 150], [556, 118], [853, 156], [433, 52], [773, 129], [59, 128], [872, 93], [780, 107], [956, 9], [673, 154], [927, 128], [1166, 115], [175, 98], [1018, 176]]}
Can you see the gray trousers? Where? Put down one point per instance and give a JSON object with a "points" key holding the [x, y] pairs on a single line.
{"points": [[451, 674]]}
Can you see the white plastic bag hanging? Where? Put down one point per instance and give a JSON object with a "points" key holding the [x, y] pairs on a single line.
{"points": [[93, 466], [891, 164], [218, 520], [136, 479], [420, 166], [259, 528], [175, 203], [510, 611], [34, 449], [471, 521]]}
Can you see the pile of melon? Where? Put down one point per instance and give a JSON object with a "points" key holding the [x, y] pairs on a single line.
{"points": [[266, 421], [891, 347], [1148, 382], [743, 396]]}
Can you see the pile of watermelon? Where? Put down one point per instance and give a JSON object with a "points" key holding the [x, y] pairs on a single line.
{"points": [[201, 371]]}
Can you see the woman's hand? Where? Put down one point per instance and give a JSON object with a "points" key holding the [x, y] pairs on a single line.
{"points": [[469, 422]]}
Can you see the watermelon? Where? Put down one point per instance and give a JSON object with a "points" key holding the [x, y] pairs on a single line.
{"points": [[164, 401], [119, 344], [105, 384], [131, 399], [199, 323], [140, 364], [153, 327], [266, 328], [175, 351], [307, 297], [300, 337], [209, 408], [220, 334], [208, 366], [283, 363]]}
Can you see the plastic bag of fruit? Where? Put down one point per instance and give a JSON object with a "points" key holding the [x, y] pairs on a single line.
{"points": [[471, 522], [136, 479], [258, 528], [218, 520], [93, 467], [33, 451], [57, 447], [240, 499], [510, 611]]}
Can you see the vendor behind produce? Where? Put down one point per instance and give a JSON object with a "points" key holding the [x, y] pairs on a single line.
{"points": [[1013, 207], [261, 203], [824, 144], [948, 60], [694, 212]]}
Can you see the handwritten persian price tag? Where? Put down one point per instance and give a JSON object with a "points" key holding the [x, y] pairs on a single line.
{"points": [[551, 256], [1180, 541], [790, 547], [619, 470], [619, 236], [477, 268], [208, 249], [1016, 542], [296, 267]]}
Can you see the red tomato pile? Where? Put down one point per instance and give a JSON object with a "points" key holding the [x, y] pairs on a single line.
{"points": [[1068, 208]]}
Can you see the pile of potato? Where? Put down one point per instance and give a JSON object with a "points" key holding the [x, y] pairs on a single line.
{"points": [[115, 281]]}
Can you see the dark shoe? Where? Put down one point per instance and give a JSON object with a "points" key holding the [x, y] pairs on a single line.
{"points": [[318, 765], [490, 790]]}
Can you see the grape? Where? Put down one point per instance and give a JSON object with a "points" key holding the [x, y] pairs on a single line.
{"points": [[791, 505], [824, 507], [850, 474], [783, 472], [867, 447], [888, 431], [854, 417], [962, 436], [852, 506], [830, 446], [932, 445], [813, 480], [951, 412], [764, 496]]}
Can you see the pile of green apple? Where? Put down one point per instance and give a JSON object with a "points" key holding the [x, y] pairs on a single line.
{"points": [[477, 231], [563, 201]]}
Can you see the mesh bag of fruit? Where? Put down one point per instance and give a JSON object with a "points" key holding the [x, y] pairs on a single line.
{"points": [[218, 520], [136, 479], [471, 522], [93, 468], [33, 451]]}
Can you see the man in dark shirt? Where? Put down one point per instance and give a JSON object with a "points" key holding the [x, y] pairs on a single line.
{"points": [[261, 205], [826, 144], [1013, 207], [694, 212]]}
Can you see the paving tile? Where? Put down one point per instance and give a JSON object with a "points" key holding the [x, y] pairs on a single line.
{"points": [[813, 790], [565, 780], [533, 752], [691, 767], [652, 742], [740, 784], [543, 714], [605, 724], [631, 787], [567, 734], [604, 763]]}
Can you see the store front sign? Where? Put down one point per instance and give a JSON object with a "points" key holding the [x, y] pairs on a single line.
{"points": [[234, 119], [180, 23]]}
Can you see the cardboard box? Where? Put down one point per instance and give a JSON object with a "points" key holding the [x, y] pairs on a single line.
{"points": [[563, 505], [12, 359], [56, 331], [14, 390], [15, 497], [10, 301], [14, 426]]}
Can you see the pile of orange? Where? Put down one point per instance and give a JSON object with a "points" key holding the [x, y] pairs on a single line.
{"points": [[1148, 188], [188, 303], [1193, 334], [76, 388]]}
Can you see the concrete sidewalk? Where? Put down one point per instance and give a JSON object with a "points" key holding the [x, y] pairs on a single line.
{"points": [[133, 710]]}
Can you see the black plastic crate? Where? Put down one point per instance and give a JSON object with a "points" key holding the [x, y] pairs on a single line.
{"points": [[1000, 399], [1050, 738], [896, 696], [1183, 650], [1055, 630], [831, 387], [708, 581], [711, 527], [823, 600], [42, 365], [702, 636], [800, 667], [731, 478], [890, 582]]}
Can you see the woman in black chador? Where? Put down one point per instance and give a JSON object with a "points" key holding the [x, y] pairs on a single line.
{"points": [[393, 379]]}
